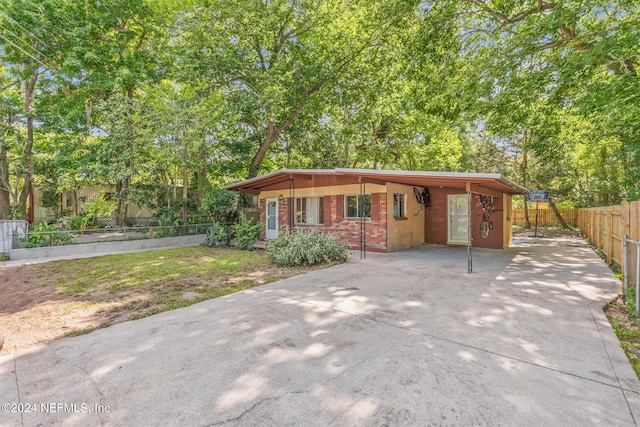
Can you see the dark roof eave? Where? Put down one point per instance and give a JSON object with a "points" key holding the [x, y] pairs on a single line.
{"points": [[254, 185]]}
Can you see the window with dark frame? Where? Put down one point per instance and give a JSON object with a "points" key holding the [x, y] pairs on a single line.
{"points": [[357, 206], [309, 210], [399, 206]]}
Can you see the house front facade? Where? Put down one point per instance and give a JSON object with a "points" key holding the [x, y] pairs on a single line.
{"points": [[386, 211]]}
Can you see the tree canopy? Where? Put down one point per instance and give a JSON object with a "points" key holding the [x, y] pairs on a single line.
{"points": [[166, 100]]}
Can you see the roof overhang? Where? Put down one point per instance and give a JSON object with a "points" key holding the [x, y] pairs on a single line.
{"points": [[491, 184]]}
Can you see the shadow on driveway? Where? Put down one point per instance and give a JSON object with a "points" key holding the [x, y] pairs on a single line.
{"points": [[407, 338]]}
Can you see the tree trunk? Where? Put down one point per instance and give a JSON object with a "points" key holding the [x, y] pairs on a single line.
{"points": [[5, 192], [203, 185], [30, 86], [558, 215], [75, 200], [273, 132], [185, 193], [121, 211], [527, 223], [256, 162], [125, 183]]}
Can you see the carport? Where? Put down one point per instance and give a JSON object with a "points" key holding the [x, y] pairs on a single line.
{"points": [[385, 210]]}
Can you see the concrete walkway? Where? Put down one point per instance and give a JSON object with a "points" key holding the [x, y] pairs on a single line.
{"points": [[88, 250], [407, 338]]}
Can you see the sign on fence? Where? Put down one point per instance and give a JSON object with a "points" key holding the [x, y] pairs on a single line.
{"points": [[539, 196]]}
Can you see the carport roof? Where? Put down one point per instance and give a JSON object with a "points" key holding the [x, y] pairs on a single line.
{"points": [[487, 183]]}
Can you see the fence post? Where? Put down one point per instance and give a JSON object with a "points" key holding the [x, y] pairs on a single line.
{"points": [[124, 233], [637, 278]]}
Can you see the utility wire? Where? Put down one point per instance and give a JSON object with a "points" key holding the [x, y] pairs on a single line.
{"points": [[21, 27], [26, 53], [18, 38]]}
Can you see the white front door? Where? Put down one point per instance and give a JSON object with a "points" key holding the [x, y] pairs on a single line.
{"points": [[458, 223], [271, 216]]}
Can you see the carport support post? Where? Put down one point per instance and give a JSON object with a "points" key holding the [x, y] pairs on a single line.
{"points": [[363, 223], [469, 254]]}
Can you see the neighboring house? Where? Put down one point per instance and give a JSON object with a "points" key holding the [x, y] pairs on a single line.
{"points": [[73, 202], [383, 210]]}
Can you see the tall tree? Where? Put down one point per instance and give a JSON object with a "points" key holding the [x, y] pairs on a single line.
{"points": [[273, 57], [29, 32], [578, 55]]}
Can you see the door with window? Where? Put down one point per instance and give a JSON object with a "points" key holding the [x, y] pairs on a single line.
{"points": [[271, 217], [458, 223]]}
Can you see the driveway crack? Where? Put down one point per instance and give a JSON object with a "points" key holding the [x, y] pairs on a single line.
{"points": [[88, 375], [323, 384], [15, 371]]}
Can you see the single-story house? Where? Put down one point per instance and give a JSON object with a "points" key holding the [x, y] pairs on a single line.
{"points": [[387, 210]]}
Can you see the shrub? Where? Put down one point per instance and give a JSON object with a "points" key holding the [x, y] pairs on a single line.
{"points": [[630, 299], [46, 235], [82, 221], [219, 235], [220, 205], [246, 233], [306, 248], [76, 222]]}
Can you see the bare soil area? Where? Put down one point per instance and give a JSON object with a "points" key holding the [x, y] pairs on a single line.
{"points": [[35, 309], [32, 311]]}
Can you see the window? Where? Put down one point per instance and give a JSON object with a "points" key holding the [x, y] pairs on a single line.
{"points": [[309, 210], [357, 206], [399, 206]]}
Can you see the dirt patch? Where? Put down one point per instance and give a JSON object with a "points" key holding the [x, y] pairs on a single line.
{"points": [[546, 232], [627, 328], [34, 310]]}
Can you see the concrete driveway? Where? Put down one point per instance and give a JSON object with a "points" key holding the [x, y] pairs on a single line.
{"points": [[407, 338]]}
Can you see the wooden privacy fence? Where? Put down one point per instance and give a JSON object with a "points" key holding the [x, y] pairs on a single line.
{"points": [[252, 214], [606, 227], [546, 217]]}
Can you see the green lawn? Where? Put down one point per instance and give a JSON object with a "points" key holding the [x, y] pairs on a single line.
{"points": [[134, 285]]}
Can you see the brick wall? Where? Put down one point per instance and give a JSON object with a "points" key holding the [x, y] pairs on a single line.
{"points": [[262, 217], [347, 229]]}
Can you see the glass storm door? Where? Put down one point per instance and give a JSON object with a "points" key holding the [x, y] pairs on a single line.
{"points": [[458, 219], [272, 218]]}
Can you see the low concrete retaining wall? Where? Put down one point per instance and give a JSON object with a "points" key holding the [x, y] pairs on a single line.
{"points": [[104, 248]]}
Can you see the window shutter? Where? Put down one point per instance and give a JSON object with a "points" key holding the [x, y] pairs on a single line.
{"points": [[339, 207], [327, 211], [375, 207]]}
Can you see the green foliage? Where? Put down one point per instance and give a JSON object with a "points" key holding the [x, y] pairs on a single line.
{"points": [[218, 235], [306, 248], [187, 96], [100, 207], [4, 256], [246, 233], [76, 222], [51, 201], [221, 205], [46, 235], [97, 208], [630, 300]]}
